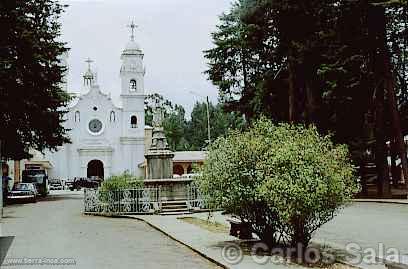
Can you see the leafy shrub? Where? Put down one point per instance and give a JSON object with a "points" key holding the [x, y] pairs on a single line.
{"points": [[121, 182], [284, 180]]}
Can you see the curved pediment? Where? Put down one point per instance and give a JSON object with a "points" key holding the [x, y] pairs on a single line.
{"points": [[97, 96]]}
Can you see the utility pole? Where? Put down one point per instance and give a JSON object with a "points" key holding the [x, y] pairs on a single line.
{"points": [[208, 121], [208, 116]]}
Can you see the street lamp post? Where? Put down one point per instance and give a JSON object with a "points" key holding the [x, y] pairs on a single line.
{"points": [[208, 115]]}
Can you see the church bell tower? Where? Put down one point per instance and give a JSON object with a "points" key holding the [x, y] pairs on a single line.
{"points": [[132, 95], [132, 70], [132, 74]]}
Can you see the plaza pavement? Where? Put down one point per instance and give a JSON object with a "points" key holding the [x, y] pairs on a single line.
{"points": [[364, 223], [56, 228], [369, 224], [206, 243]]}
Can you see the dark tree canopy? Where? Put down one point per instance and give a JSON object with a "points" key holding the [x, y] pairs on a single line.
{"points": [[341, 65], [31, 97], [305, 61]]}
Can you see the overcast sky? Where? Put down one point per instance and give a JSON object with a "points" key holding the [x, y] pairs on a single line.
{"points": [[172, 34]]}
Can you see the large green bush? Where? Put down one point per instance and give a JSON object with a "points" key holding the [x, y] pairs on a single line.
{"points": [[121, 182], [284, 180]]}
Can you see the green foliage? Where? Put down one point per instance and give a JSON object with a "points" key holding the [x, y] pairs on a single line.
{"points": [[31, 97], [174, 125], [150, 101], [315, 69], [284, 180], [192, 135], [221, 122], [174, 122], [121, 182]]}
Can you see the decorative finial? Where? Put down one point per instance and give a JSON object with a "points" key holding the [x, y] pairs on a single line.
{"points": [[89, 76], [89, 61], [132, 27]]}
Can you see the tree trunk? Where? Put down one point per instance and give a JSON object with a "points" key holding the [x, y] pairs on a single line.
{"points": [[395, 118], [383, 181], [248, 112], [310, 105], [394, 169], [363, 176], [378, 54], [292, 95], [17, 171]]}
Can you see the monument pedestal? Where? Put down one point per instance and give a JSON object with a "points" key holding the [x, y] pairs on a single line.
{"points": [[174, 192], [159, 163], [171, 189]]}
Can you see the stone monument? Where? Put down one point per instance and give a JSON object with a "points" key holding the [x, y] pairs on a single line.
{"points": [[159, 156], [159, 159]]}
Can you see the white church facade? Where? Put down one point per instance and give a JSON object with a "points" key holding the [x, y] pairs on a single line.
{"points": [[106, 139]]}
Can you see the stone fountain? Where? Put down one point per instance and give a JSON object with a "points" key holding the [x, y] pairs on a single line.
{"points": [[159, 159]]}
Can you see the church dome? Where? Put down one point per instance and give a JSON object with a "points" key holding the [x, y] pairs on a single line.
{"points": [[89, 74], [132, 48]]}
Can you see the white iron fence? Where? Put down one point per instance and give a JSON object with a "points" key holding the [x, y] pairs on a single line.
{"points": [[195, 198], [145, 200], [135, 201]]}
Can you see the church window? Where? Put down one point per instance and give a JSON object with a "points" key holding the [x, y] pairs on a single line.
{"points": [[112, 116], [133, 122], [133, 85], [77, 116]]}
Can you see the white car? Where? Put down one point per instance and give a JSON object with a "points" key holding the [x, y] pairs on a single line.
{"points": [[23, 192]]}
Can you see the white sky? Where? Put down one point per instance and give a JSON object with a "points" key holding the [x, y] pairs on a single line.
{"points": [[172, 34]]}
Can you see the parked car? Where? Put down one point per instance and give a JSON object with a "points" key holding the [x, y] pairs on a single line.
{"points": [[69, 183], [23, 192], [96, 179], [56, 184], [80, 183]]}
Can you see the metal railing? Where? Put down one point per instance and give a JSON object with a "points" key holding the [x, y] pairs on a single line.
{"points": [[135, 201], [195, 198], [122, 202]]}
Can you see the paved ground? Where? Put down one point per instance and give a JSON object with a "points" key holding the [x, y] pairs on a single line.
{"points": [[364, 223], [55, 228], [369, 224], [220, 247]]}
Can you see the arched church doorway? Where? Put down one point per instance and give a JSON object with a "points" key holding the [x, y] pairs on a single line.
{"points": [[95, 169]]}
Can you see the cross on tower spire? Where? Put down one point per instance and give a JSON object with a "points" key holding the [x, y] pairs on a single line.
{"points": [[132, 27], [89, 61], [89, 76]]}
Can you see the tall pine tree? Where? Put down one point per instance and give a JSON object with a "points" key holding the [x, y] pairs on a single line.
{"points": [[31, 75], [330, 63]]}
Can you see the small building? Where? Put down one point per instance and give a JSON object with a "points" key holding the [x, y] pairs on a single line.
{"points": [[185, 161]]}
